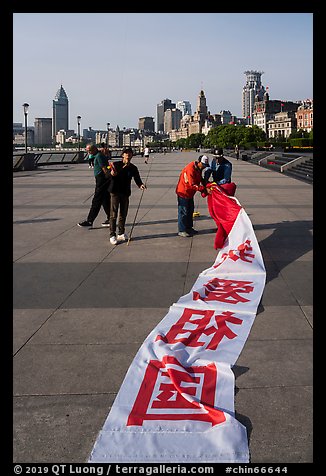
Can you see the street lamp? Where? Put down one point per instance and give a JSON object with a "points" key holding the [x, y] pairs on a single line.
{"points": [[107, 137], [25, 106], [78, 128]]}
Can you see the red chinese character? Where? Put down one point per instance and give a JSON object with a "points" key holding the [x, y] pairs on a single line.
{"points": [[225, 290], [240, 253], [170, 391], [201, 326]]}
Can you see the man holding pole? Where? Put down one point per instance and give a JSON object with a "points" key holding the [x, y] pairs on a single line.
{"points": [[122, 172]]}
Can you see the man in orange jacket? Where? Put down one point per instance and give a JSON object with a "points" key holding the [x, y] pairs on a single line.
{"points": [[190, 182]]}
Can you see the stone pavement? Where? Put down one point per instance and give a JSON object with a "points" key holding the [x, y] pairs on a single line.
{"points": [[82, 307]]}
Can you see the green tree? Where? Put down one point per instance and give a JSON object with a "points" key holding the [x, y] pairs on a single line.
{"points": [[195, 140], [298, 134], [228, 135], [213, 138], [254, 134], [181, 143]]}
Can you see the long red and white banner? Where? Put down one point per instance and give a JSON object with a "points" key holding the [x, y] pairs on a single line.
{"points": [[176, 403]]}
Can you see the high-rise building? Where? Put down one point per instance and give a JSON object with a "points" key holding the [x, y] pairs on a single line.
{"points": [[184, 107], [146, 124], [225, 116], [172, 118], [201, 112], [60, 118], [43, 131], [250, 90], [161, 108]]}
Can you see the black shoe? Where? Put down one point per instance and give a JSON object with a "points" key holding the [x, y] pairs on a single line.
{"points": [[85, 223], [106, 223], [192, 231]]}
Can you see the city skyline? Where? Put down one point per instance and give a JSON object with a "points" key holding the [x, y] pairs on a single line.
{"points": [[134, 62]]}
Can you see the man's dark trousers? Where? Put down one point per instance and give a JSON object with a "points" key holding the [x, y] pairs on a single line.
{"points": [[118, 200], [101, 197]]}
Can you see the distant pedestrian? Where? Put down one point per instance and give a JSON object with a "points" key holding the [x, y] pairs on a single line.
{"points": [[122, 173], [90, 160], [237, 152], [101, 195], [146, 154], [190, 182]]}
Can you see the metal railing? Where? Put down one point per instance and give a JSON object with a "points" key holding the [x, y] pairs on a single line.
{"points": [[31, 160]]}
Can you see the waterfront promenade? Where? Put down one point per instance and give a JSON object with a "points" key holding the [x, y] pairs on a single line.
{"points": [[82, 307]]}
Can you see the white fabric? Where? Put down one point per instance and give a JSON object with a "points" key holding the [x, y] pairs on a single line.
{"points": [[176, 403]]}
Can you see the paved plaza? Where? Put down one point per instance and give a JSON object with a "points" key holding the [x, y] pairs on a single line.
{"points": [[83, 307]]}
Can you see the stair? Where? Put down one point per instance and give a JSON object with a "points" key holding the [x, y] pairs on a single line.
{"points": [[303, 171]]}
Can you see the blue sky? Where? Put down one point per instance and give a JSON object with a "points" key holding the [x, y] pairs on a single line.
{"points": [[116, 67]]}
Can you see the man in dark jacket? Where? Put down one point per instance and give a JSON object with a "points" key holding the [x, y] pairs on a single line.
{"points": [[122, 172], [223, 171]]}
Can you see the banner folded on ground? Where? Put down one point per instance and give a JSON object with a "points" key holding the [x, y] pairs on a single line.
{"points": [[176, 403]]}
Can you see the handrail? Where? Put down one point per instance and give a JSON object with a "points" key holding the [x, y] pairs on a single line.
{"points": [[29, 161]]}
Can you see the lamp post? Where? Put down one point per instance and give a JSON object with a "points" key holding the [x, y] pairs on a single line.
{"points": [[141, 137], [107, 137], [78, 128], [25, 106]]}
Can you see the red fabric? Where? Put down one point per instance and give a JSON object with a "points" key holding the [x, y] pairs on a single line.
{"points": [[189, 181], [229, 188], [224, 211]]}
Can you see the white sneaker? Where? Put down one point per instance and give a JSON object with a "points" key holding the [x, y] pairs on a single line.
{"points": [[122, 237], [113, 240]]}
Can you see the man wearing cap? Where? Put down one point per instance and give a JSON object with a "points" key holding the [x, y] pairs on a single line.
{"points": [[223, 171], [211, 166], [190, 182]]}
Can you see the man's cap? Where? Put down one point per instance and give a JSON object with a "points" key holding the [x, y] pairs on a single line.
{"points": [[219, 153], [204, 160]]}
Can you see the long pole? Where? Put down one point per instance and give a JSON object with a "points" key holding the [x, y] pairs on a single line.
{"points": [[25, 132], [78, 132], [107, 137], [142, 193], [132, 228], [25, 106]]}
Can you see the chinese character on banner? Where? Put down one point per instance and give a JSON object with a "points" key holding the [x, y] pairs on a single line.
{"points": [[170, 391], [225, 290], [197, 328], [240, 253]]}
